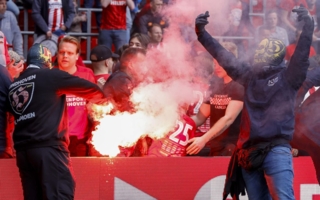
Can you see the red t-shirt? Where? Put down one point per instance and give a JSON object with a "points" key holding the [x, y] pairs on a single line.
{"points": [[174, 144], [77, 106], [290, 50], [101, 76], [194, 109], [114, 16]]}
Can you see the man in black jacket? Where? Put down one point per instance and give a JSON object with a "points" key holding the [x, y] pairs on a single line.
{"points": [[267, 121], [38, 102]]}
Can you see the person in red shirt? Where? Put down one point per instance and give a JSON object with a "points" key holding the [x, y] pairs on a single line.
{"points": [[174, 144], [79, 124], [113, 28]]}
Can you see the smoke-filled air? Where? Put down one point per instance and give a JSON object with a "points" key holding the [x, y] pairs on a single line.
{"points": [[168, 81]]}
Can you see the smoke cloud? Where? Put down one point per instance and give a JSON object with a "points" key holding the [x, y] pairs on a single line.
{"points": [[169, 79]]}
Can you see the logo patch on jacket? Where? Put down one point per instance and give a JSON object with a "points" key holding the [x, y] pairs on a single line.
{"points": [[273, 81], [20, 97]]}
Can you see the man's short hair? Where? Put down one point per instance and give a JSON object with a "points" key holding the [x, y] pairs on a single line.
{"points": [[70, 39], [151, 25], [130, 53]]}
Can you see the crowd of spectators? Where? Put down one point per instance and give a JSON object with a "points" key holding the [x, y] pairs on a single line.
{"points": [[125, 24]]}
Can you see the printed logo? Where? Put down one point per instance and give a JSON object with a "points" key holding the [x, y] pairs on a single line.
{"points": [[273, 81], [20, 97], [220, 101]]}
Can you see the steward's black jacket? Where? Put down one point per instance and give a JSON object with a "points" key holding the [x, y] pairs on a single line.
{"points": [[38, 103]]}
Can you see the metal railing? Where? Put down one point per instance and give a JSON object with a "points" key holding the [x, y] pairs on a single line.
{"points": [[25, 32], [262, 14]]}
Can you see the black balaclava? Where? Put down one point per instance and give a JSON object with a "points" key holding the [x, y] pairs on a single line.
{"points": [[40, 56], [269, 55]]}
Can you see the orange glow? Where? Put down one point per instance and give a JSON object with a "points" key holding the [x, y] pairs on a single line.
{"points": [[154, 117]]}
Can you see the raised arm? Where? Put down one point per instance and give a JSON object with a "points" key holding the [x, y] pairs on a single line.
{"points": [[299, 62], [237, 70]]}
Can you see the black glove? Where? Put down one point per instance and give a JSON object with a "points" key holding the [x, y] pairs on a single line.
{"points": [[303, 14], [201, 22]]}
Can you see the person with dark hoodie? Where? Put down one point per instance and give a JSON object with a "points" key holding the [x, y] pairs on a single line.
{"points": [[262, 162], [37, 100]]}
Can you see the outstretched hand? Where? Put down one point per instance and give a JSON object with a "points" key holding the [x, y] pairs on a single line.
{"points": [[15, 68], [201, 22], [303, 14], [195, 145]]}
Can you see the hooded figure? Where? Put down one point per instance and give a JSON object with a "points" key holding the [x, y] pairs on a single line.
{"points": [[263, 157], [40, 56]]}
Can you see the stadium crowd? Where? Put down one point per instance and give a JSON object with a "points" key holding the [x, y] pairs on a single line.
{"points": [[144, 24], [130, 33]]}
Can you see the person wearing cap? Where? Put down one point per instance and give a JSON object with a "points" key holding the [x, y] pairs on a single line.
{"points": [[262, 162], [102, 63], [80, 124], [37, 100]]}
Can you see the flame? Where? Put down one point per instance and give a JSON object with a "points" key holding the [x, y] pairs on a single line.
{"points": [[154, 117]]}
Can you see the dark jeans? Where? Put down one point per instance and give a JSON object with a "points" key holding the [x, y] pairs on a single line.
{"points": [[116, 37], [275, 180], [90, 4], [46, 173]]}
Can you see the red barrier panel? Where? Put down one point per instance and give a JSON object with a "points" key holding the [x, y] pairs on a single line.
{"points": [[154, 178]]}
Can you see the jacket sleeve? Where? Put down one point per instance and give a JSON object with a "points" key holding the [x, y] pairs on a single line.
{"points": [[17, 38], [37, 17], [299, 62], [6, 51], [238, 71], [71, 14], [143, 25], [69, 84]]}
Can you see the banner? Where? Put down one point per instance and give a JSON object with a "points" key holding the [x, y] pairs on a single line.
{"points": [[155, 178]]}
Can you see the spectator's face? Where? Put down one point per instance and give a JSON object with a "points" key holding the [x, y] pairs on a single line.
{"points": [[156, 6], [3, 6], [219, 71], [134, 42], [272, 20], [67, 55], [155, 34]]}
